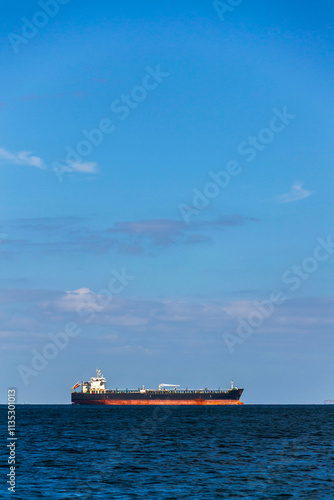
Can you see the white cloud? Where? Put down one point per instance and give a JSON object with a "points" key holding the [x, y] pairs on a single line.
{"points": [[88, 167], [297, 193], [26, 158], [22, 158], [73, 300]]}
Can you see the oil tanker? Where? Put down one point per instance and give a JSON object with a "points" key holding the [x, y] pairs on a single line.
{"points": [[94, 392]]}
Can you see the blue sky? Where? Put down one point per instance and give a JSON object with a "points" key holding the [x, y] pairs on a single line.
{"points": [[196, 91]]}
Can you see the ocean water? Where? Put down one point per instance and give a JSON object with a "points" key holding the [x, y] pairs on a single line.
{"points": [[253, 452]]}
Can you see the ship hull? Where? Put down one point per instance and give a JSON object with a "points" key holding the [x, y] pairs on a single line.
{"points": [[231, 397], [158, 402]]}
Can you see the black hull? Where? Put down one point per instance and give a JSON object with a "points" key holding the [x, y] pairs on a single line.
{"points": [[159, 398]]}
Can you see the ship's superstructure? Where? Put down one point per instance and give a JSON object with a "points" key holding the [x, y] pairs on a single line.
{"points": [[95, 392]]}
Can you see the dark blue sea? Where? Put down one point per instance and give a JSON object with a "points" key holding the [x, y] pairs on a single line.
{"points": [[253, 452]]}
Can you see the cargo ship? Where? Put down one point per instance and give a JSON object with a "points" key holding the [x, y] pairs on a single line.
{"points": [[94, 392]]}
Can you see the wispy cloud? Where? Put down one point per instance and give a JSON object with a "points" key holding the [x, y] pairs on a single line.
{"points": [[25, 158], [165, 232], [49, 235], [48, 223], [296, 193], [86, 167], [162, 232], [153, 323]]}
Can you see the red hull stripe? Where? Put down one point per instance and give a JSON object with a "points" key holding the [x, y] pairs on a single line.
{"points": [[158, 402]]}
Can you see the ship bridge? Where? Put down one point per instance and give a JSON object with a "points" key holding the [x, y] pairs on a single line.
{"points": [[96, 385]]}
